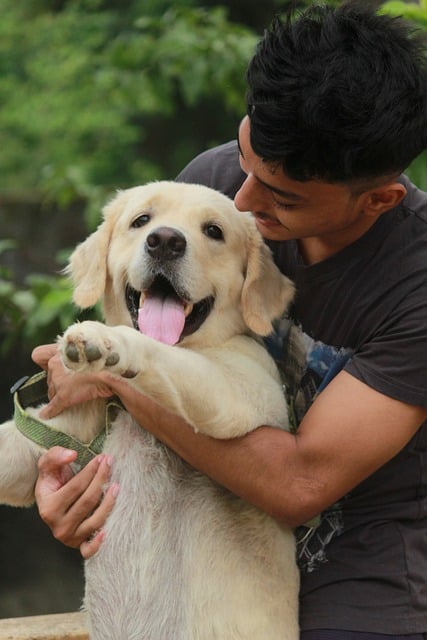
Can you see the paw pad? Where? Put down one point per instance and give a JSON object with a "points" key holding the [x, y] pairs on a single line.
{"points": [[112, 359], [92, 352], [72, 352]]}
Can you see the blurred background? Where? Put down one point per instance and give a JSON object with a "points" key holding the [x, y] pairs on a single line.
{"points": [[97, 95]]}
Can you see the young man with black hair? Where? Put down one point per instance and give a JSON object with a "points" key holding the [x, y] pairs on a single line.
{"points": [[337, 109]]}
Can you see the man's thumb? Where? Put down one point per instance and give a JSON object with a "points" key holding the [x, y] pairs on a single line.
{"points": [[42, 354]]}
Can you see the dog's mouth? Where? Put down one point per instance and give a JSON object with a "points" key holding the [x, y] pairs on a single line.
{"points": [[161, 313]]}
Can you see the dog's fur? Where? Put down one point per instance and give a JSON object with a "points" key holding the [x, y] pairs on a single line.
{"points": [[183, 559]]}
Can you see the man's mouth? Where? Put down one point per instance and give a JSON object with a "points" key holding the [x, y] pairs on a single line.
{"points": [[265, 220], [161, 313]]}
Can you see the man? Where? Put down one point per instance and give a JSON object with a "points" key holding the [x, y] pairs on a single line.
{"points": [[337, 109]]}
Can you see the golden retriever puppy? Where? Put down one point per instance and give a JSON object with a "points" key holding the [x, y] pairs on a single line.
{"points": [[187, 286]]}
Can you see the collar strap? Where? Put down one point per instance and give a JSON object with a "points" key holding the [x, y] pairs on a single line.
{"points": [[33, 392]]}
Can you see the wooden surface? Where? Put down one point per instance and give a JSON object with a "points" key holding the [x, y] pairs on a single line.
{"points": [[61, 626]]}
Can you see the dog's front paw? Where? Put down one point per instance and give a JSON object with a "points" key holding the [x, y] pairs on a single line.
{"points": [[91, 346]]}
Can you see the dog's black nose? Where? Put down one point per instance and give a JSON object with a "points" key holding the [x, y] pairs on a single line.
{"points": [[166, 243]]}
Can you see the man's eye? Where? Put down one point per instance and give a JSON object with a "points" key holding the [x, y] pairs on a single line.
{"points": [[140, 221], [283, 205]]}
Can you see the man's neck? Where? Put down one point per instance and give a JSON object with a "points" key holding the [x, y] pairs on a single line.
{"points": [[319, 248]]}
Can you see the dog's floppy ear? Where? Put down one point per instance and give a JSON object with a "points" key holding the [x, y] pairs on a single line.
{"points": [[88, 263], [266, 292], [88, 267]]}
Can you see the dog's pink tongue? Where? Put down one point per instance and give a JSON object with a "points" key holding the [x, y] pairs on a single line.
{"points": [[162, 319]]}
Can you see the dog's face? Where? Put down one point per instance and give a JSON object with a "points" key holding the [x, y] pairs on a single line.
{"points": [[181, 264]]}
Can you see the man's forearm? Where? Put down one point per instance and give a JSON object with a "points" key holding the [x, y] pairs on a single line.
{"points": [[259, 467]]}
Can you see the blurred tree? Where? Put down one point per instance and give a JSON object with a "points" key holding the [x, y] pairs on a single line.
{"points": [[415, 12], [102, 94], [97, 95], [86, 86]]}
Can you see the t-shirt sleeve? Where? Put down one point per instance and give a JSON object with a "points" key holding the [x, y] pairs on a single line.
{"points": [[394, 359], [394, 362]]}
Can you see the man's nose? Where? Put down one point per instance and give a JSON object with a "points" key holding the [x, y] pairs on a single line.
{"points": [[247, 198]]}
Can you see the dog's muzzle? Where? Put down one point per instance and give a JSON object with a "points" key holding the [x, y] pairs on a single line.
{"points": [[162, 308]]}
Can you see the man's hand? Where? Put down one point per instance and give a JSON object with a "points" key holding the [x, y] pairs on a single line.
{"points": [[65, 387], [75, 507]]}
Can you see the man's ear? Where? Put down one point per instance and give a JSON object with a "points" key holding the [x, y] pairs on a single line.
{"points": [[383, 198]]}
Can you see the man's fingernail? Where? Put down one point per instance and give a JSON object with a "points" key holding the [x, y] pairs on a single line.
{"points": [[66, 453]]}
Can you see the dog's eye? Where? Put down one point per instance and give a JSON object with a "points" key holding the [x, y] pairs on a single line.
{"points": [[140, 221], [213, 231]]}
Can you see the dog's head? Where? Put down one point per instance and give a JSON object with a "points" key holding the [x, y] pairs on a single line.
{"points": [[180, 263]]}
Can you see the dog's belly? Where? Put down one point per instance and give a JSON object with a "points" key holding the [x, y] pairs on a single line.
{"points": [[183, 559]]}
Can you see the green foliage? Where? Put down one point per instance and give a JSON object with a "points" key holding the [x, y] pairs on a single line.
{"points": [[36, 312], [81, 87], [415, 11], [103, 94], [185, 55], [98, 95]]}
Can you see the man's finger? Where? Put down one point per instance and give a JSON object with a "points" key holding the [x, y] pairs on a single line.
{"points": [[58, 491], [54, 408], [89, 547], [90, 527], [54, 470], [78, 509], [42, 354]]}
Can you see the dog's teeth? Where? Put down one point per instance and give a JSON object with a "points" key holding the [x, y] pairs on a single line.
{"points": [[188, 308]]}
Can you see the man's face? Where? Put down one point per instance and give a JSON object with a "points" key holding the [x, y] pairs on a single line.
{"points": [[288, 209]]}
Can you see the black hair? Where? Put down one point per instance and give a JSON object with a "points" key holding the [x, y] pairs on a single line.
{"points": [[339, 94]]}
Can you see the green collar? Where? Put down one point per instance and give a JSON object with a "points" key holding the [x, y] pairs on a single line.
{"points": [[33, 392]]}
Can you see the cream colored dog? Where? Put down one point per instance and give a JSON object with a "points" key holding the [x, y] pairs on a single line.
{"points": [[183, 559]]}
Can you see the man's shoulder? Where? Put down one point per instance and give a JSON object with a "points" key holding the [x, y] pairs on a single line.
{"points": [[217, 168]]}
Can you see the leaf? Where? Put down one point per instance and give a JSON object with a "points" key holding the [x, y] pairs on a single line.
{"points": [[409, 10]]}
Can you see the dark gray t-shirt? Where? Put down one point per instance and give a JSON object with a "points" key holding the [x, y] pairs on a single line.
{"points": [[364, 568]]}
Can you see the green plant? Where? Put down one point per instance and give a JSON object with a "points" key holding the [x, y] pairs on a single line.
{"points": [[103, 94], [37, 311], [98, 95], [415, 11]]}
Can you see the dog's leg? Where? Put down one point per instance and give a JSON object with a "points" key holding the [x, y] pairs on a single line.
{"points": [[19, 455], [18, 466], [206, 390]]}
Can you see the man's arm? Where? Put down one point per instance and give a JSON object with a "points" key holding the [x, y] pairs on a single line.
{"points": [[349, 432]]}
